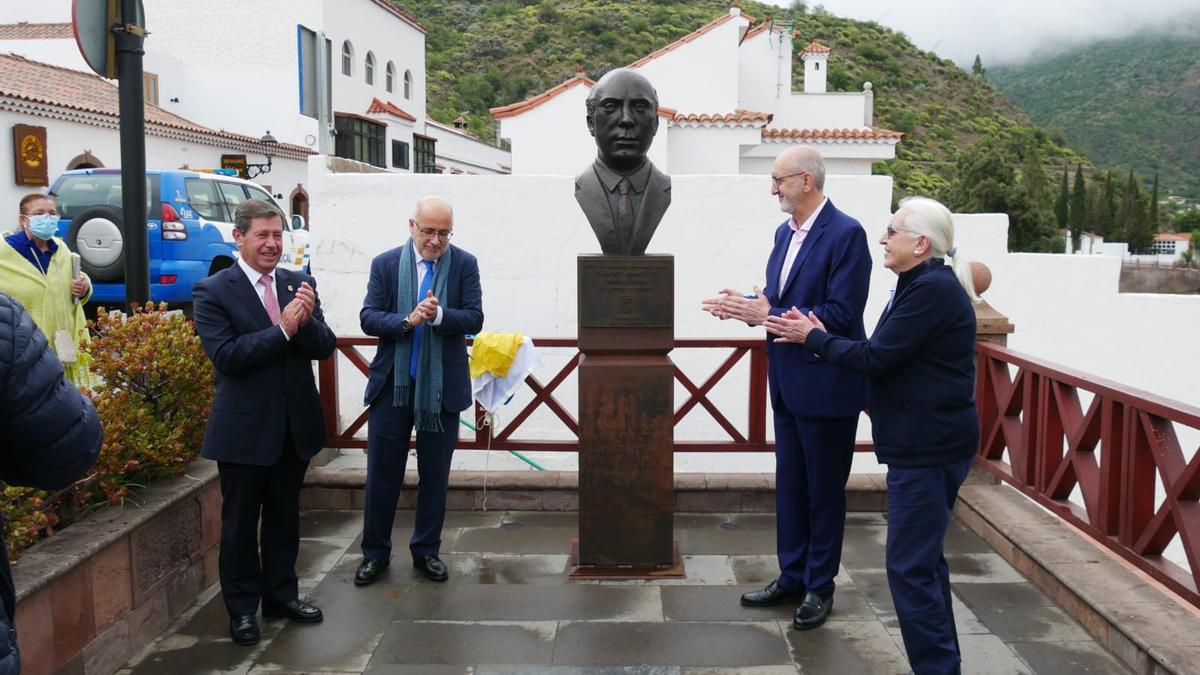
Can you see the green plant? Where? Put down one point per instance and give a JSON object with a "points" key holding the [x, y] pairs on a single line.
{"points": [[153, 404]]}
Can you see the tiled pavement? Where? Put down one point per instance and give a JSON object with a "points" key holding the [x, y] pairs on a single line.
{"points": [[509, 608]]}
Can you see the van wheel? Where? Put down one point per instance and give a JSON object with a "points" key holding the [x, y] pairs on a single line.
{"points": [[97, 236], [219, 264]]}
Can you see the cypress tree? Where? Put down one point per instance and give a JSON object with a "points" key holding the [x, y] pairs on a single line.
{"points": [[1154, 218], [1078, 215], [1031, 211], [1106, 218], [1060, 206], [977, 67]]}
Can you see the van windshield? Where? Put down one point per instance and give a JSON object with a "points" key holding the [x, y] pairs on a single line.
{"points": [[75, 193]]}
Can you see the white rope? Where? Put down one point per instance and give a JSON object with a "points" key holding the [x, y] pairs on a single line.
{"points": [[489, 423]]}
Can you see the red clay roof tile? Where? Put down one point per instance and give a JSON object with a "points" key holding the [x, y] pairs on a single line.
{"points": [[865, 134]]}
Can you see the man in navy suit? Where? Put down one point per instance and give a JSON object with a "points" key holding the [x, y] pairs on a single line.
{"points": [[423, 299], [821, 263], [261, 328]]}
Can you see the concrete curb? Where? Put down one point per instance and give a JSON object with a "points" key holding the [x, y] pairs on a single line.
{"points": [[1130, 615], [326, 488]]}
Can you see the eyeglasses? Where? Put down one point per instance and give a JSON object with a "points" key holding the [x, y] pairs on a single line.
{"points": [[778, 180], [441, 234], [891, 231]]}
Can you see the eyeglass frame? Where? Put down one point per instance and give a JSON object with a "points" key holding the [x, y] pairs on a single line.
{"points": [[891, 232], [447, 235], [778, 181]]}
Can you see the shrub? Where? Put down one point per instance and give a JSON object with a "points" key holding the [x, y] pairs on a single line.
{"points": [[154, 390]]}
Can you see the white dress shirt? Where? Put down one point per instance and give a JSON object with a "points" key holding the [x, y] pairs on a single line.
{"points": [[799, 233], [437, 320]]}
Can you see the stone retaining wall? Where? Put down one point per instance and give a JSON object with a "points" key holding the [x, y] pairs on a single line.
{"points": [[92, 595]]}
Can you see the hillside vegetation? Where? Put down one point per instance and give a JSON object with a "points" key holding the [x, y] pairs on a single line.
{"points": [[1132, 103]]}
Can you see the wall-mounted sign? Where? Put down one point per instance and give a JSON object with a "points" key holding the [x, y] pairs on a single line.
{"points": [[235, 162], [29, 155]]}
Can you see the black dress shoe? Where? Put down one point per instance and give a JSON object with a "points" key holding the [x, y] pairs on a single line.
{"points": [[431, 567], [812, 612], [769, 596], [369, 571], [296, 610], [243, 629]]}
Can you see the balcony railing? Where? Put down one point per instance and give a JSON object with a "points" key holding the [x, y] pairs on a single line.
{"points": [[1112, 452], [1115, 453]]}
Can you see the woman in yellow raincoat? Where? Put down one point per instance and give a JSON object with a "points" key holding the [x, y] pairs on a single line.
{"points": [[36, 270]]}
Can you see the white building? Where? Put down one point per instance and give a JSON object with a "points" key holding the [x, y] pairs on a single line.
{"points": [[249, 68], [737, 122], [72, 118], [1168, 248]]}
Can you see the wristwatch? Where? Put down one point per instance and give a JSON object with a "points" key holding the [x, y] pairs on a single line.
{"points": [[406, 325]]}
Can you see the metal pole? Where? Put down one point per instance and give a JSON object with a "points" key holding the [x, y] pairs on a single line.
{"points": [[129, 52]]}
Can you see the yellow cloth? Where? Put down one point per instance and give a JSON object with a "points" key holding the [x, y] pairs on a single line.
{"points": [[47, 298], [493, 353]]}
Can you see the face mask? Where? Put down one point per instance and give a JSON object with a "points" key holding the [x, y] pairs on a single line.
{"points": [[43, 226]]}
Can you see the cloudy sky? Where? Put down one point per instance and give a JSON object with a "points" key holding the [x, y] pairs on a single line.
{"points": [[1008, 31]]}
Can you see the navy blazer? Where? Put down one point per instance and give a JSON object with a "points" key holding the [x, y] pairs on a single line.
{"points": [[264, 381], [830, 276], [462, 315], [921, 361]]}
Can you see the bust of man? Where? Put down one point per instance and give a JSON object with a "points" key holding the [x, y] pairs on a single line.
{"points": [[622, 194]]}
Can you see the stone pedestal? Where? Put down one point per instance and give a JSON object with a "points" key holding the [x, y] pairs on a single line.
{"points": [[626, 419]]}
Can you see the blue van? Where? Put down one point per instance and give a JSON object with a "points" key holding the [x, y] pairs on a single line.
{"points": [[190, 226]]}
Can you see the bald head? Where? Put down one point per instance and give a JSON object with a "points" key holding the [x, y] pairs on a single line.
{"points": [[802, 158], [433, 206]]}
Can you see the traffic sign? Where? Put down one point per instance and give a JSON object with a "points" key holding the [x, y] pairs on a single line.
{"points": [[92, 22]]}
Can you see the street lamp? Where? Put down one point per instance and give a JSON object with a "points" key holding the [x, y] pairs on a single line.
{"points": [[269, 146]]}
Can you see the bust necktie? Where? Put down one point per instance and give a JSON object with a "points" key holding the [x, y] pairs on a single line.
{"points": [[624, 210], [426, 284]]}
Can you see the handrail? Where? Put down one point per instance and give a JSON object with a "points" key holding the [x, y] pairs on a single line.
{"points": [[1113, 452], [750, 436]]}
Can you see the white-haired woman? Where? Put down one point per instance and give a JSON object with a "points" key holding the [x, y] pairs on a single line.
{"points": [[921, 365]]}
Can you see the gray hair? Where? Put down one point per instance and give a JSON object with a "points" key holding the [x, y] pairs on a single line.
{"points": [[805, 158], [929, 217], [255, 208]]}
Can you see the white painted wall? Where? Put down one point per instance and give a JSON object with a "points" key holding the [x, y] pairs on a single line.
{"points": [[1066, 308], [815, 66], [834, 110], [709, 150], [700, 76], [765, 70], [216, 88]]}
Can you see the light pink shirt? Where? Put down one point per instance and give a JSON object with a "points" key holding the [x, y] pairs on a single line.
{"points": [[799, 232]]}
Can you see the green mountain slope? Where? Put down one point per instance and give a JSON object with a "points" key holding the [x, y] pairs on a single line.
{"points": [[481, 55], [1132, 103]]}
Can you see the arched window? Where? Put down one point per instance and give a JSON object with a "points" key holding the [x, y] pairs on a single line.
{"points": [[347, 58], [408, 84], [369, 68], [390, 77]]}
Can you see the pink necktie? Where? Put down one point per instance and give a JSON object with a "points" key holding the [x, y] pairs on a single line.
{"points": [[269, 300]]}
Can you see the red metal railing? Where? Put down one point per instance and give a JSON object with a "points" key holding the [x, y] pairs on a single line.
{"points": [[1112, 452], [749, 437]]}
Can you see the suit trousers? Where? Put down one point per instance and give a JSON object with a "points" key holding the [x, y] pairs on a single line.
{"points": [[812, 463], [920, 501], [389, 429], [254, 567]]}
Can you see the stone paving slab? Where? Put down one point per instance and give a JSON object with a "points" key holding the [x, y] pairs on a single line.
{"points": [[509, 608]]}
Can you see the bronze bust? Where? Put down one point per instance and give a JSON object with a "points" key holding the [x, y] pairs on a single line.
{"points": [[623, 194]]}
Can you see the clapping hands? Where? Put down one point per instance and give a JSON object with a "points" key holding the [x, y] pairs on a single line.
{"points": [[426, 310], [297, 313], [792, 326], [732, 304]]}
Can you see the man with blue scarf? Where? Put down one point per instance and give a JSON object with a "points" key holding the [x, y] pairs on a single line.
{"points": [[423, 299]]}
